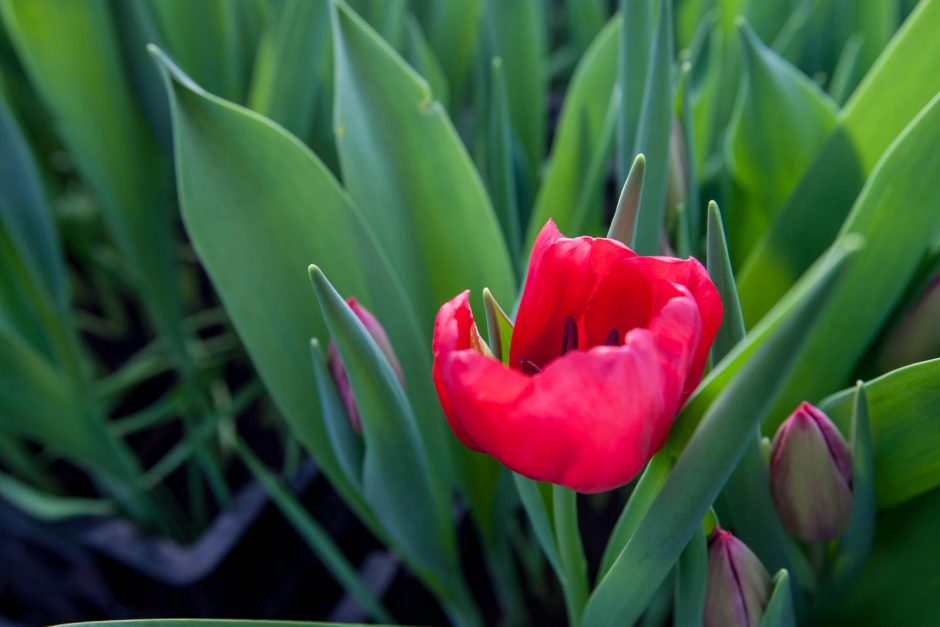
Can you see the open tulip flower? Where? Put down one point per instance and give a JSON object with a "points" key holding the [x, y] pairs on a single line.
{"points": [[606, 348]]}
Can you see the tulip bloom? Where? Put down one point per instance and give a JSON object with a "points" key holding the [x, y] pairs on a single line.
{"points": [[606, 348], [338, 371], [811, 476]]}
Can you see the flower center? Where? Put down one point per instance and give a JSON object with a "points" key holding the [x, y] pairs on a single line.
{"points": [[569, 341]]}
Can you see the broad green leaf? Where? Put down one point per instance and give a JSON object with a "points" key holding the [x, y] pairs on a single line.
{"points": [[586, 18], [781, 120], [71, 53], [316, 537], [844, 77], [705, 464], [259, 207], [779, 610], [652, 136], [204, 37], [855, 543], [396, 477], [898, 86], [582, 118], [691, 577], [902, 409], [633, 64], [410, 175], [516, 31], [286, 83], [499, 170], [346, 443], [595, 170], [897, 215]]}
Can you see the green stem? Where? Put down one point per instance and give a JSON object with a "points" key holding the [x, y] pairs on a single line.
{"points": [[574, 582]]}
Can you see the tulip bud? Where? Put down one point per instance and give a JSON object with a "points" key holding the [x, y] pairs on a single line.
{"points": [[811, 476], [738, 585], [338, 371]]}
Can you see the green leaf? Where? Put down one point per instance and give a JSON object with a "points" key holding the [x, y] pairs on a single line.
{"points": [[621, 226], [516, 30], [633, 60], [902, 409], [585, 19], [652, 137], [208, 622], [705, 464], [402, 162], [396, 477], [897, 214], [500, 173], [24, 211], [286, 85], [595, 172], [88, 93], [316, 537], [537, 512], [896, 89], [422, 59], [346, 443], [50, 507], [453, 32], [691, 577], [204, 36], [855, 543], [781, 120], [581, 122], [898, 585], [259, 207], [779, 610], [732, 329]]}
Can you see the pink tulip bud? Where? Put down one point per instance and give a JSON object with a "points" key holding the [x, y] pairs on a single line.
{"points": [[811, 476], [738, 585], [338, 371]]}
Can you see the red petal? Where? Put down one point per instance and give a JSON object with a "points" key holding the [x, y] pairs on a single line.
{"points": [[590, 421], [452, 333], [690, 274]]}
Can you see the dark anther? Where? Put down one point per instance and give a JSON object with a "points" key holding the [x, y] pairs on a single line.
{"points": [[613, 338], [528, 367], [570, 340]]}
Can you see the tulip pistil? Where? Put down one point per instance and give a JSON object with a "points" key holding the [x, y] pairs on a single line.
{"points": [[570, 340]]}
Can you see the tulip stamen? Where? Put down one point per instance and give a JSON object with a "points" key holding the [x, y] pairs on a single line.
{"points": [[613, 338], [570, 341], [528, 367]]}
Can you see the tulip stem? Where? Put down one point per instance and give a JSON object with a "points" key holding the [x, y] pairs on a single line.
{"points": [[573, 566]]}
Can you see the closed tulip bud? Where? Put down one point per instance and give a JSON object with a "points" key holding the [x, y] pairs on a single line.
{"points": [[338, 371], [811, 476], [738, 585]]}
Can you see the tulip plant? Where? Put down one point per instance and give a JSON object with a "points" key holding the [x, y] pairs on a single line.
{"points": [[472, 336]]}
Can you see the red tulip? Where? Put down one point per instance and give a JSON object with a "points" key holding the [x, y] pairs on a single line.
{"points": [[338, 370], [606, 348]]}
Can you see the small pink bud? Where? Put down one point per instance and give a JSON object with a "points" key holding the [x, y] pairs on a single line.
{"points": [[338, 371], [738, 585], [811, 476]]}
